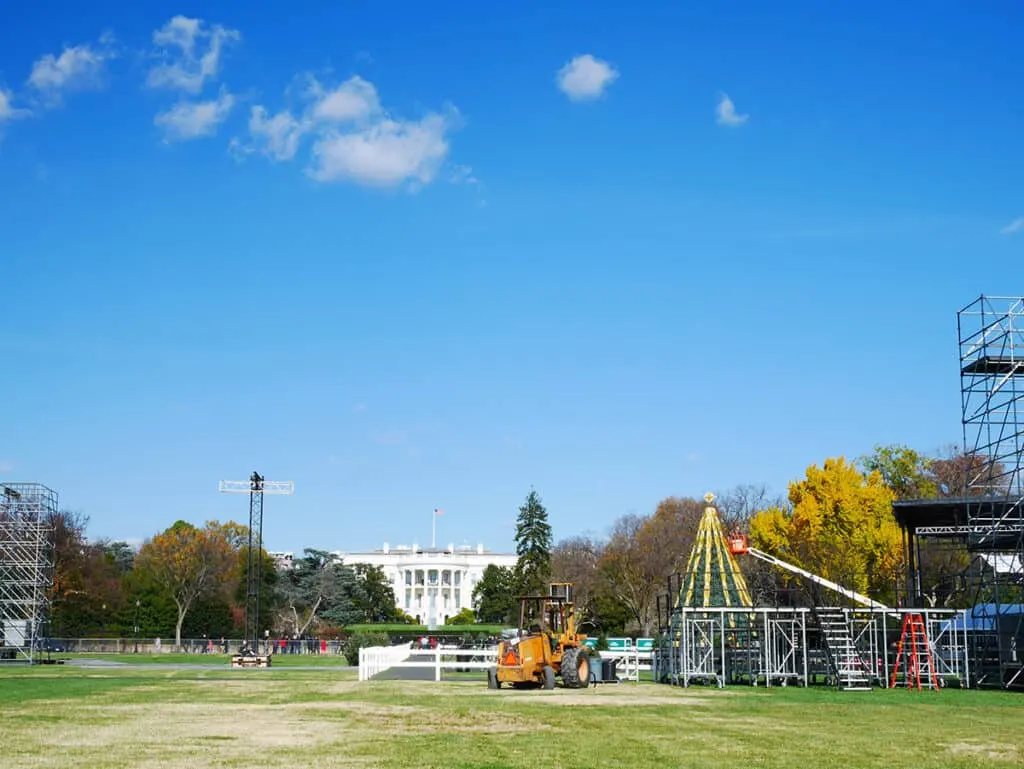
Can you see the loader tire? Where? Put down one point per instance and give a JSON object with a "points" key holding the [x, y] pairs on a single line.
{"points": [[492, 679], [549, 677], [575, 669]]}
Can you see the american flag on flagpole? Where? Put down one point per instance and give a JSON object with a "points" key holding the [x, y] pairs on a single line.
{"points": [[438, 511]]}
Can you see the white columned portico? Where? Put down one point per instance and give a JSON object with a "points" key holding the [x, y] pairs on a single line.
{"points": [[433, 584]]}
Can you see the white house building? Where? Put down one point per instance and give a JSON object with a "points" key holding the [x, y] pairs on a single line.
{"points": [[430, 584]]}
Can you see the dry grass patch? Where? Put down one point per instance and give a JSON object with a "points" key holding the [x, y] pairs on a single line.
{"points": [[573, 698], [377, 719], [611, 696], [988, 751], [262, 725]]}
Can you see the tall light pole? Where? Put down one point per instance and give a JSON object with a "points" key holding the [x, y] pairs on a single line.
{"points": [[255, 487], [137, 604]]}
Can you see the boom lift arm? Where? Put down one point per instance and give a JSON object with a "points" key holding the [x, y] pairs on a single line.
{"points": [[738, 546]]}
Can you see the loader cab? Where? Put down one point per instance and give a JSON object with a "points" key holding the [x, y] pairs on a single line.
{"points": [[549, 616], [541, 615]]}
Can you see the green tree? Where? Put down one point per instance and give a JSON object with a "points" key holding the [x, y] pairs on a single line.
{"points": [[348, 599], [464, 617], [379, 602], [609, 616], [156, 613], [318, 589], [494, 595], [209, 617], [907, 472], [268, 578], [533, 546], [121, 554], [912, 475]]}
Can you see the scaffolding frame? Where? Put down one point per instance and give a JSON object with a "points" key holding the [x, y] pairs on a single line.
{"points": [[991, 343], [27, 512], [723, 645], [782, 646], [785, 658]]}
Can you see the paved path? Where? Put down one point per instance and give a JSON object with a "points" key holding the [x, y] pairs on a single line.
{"points": [[409, 674]]}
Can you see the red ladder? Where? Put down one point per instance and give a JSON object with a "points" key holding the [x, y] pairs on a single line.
{"points": [[915, 652]]}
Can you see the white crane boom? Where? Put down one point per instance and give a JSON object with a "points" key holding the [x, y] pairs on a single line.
{"points": [[862, 599]]}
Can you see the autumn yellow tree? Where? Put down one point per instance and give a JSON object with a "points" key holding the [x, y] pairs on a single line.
{"points": [[840, 526], [189, 562]]}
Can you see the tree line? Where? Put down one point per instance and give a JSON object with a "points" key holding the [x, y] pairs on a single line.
{"points": [[837, 521], [190, 582]]}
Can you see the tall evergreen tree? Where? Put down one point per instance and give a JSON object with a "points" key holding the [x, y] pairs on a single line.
{"points": [[533, 546], [494, 595]]}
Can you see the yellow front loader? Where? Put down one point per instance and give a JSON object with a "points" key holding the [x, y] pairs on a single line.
{"points": [[546, 645]]}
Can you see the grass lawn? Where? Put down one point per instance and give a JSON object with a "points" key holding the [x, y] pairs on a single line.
{"points": [[156, 716]]}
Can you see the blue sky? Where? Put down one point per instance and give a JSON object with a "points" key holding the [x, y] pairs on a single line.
{"points": [[424, 257]]}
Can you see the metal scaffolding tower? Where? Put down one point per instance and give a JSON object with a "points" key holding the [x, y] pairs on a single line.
{"points": [[255, 487], [991, 332], [27, 511]]}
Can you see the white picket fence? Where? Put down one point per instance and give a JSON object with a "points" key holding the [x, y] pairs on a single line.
{"points": [[377, 659]]}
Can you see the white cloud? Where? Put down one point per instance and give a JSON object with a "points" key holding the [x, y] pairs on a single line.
{"points": [[384, 154], [7, 110], [1017, 225], [193, 120], [586, 77], [278, 136], [353, 137], [463, 175], [354, 100], [79, 67], [726, 113], [191, 51]]}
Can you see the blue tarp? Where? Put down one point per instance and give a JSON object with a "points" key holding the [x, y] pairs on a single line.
{"points": [[983, 615]]}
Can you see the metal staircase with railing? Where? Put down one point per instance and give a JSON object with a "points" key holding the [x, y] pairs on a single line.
{"points": [[841, 650]]}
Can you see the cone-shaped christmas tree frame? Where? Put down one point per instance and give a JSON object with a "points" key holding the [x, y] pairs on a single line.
{"points": [[713, 578]]}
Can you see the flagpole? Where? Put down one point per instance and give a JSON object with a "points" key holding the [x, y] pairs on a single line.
{"points": [[433, 529]]}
